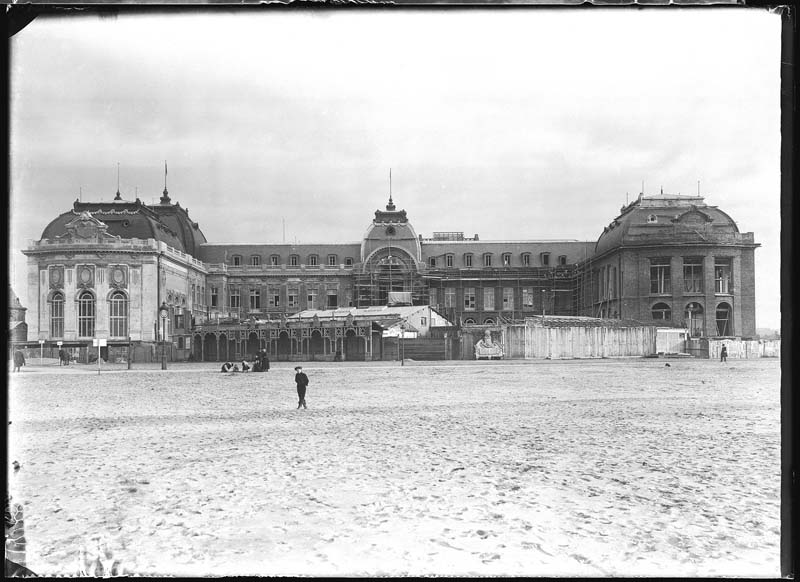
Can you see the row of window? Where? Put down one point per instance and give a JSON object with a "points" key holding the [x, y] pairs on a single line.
{"points": [[694, 317], [294, 261], [693, 276], [448, 260], [273, 298], [87, 314], [472, 299]]}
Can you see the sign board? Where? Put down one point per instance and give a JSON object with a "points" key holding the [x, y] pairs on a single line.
{"points": [[59, 344], [41, 341], [99, 342]]}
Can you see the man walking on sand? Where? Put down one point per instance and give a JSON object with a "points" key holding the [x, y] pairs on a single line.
{"points": [[302, 381], [723, 354]]}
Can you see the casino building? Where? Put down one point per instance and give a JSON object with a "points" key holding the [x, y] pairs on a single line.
{"points": [[108, 269]]}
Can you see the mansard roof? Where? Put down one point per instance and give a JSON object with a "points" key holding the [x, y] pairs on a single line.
{"points": [[167, 223]]}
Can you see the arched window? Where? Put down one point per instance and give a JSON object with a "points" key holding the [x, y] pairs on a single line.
{"points": [[724, 324], [695, 321], [488, 321], [118, 314], [469, 321], [57, 315], [86, 314], [662, 312]]}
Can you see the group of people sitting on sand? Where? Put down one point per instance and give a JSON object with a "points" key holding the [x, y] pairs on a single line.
{"points": [[260, 364]]}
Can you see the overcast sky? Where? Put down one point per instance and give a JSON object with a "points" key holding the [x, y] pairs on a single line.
{"points": [[512, 124]]}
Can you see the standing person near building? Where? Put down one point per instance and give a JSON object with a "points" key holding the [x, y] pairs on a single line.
{"points": [[723, 354], [302, 382], [19, 360], [264, 360]]}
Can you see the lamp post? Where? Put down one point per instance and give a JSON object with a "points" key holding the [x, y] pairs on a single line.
{"points": [[163, 314], [402, 347]]}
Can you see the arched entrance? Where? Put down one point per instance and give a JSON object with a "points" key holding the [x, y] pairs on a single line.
{"points": [[316, 345], [210, 348], [353, 346], [284, 346], [253, 345]]}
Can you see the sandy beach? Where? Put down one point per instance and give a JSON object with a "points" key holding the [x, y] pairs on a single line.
{"points": [[547, 468]]}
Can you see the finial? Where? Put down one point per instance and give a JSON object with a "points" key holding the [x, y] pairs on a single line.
{"points": [[118, 195], [390, 206], [165, 194]]}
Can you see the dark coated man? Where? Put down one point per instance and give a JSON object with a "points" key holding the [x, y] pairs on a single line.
{"points": [[302, 382]]}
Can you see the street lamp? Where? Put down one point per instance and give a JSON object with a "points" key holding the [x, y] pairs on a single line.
{"points": [[163, 314], [402, 347]]}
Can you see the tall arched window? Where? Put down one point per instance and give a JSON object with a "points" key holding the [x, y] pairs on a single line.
{"points": [[86, 314], [118, 314], [57, 315], [724, 326]]}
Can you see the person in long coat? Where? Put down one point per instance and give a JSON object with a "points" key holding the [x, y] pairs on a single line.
{"points": [[302, 382], [19, 360]]}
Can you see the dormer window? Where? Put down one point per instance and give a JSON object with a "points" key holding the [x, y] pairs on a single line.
{"points": [[332, 260], [255, 260], [236, 260], [526, 259], [312, 260], [448, 260], [274, 260], [487, 260], [651, 219], [545, 259], [468, 260], [348, 262], [294, 261], [506, 259]]}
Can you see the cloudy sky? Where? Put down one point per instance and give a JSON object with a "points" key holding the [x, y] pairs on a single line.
{"points": [[520, 124]]}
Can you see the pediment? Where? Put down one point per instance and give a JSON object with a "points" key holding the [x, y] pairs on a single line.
{"points": [[87, 227]]}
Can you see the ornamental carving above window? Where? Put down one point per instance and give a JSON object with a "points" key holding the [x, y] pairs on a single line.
{"points": [[56, 277], [118, 276], [85, 276]]}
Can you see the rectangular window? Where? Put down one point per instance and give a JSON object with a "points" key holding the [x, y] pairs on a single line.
{"points": [[562, 260], [214, 297], [293, 261], [487, 260], [450, 297], [333, 300], [255, 299], [469, 299], [488, 299], [506, 259], [274, 260], [526, 260], [292, 298], [527, 298], [312, 261], [508, 298], [235, 300], [311, 299], [255, 261], [432, 261], [423, 321], [449, 260], [468, 260], [722, 276], [237, 261], [432, 297], [693, 274], [545, 259], [274, 295], [660, 276], [178, 321], [348, 262]]}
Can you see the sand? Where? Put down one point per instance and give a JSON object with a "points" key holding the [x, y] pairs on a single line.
{"points": [[573, 468]]}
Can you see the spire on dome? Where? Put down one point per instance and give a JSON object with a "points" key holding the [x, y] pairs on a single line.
{"points": [[390, 207], [165, 195], [118, 195]]}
